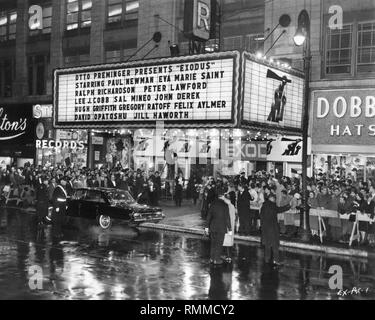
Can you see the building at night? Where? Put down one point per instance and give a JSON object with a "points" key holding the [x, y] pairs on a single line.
{"points": [[38, 37], [342, 79]]}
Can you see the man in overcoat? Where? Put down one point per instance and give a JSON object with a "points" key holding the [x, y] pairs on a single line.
{"points": [[243, 208], [218, 224], [270, 229]]}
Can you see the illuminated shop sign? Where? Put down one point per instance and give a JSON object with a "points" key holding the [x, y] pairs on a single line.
{"points": [[16, 125], [42, 111], [11, 128], [59, 144], [344, 117], [271, 95], [199, 90]]}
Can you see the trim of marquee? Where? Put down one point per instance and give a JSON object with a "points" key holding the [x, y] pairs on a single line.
{"points": [[215, 124]]}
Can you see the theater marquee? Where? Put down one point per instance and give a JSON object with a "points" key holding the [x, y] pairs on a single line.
{"points": [[185, 91]]}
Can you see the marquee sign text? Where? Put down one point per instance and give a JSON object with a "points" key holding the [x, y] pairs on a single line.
{"points": [[173, 90]]}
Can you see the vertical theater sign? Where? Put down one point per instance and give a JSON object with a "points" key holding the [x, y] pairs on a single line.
{"points": [[197, 22]]}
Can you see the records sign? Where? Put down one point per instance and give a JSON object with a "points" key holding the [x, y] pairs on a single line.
{"points": [[272, 95], [185, 91]]}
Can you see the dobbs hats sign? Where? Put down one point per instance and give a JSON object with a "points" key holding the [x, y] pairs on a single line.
{"points": [[344, 117], [16, 125]]}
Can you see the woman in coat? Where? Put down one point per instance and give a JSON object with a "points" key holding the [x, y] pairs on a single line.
{"points": [[229, 236]]}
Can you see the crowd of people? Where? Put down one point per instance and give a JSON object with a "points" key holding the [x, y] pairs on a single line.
{"points": [[247, 194], [145, 188], [272, 206]]}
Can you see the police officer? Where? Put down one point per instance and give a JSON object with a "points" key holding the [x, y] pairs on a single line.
{"points": [[59, 200], [42, 200]]}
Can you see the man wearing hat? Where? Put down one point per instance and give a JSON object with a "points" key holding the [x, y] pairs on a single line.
{"points": [[59, 200], [42, 198]]}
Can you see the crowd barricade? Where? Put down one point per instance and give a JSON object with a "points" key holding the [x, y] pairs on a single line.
{"points": [[22, 195], [317, 221]]}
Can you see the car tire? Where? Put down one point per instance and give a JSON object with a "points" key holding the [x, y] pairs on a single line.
{"points": [[105, 222]]}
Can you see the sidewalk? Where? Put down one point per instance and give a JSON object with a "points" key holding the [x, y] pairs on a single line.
{"points": [[187, 219]]}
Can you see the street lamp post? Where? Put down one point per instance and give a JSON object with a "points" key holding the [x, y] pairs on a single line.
{"points": [[302, 37]]}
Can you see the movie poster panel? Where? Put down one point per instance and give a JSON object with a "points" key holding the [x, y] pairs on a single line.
{"points": [[272, 95]]}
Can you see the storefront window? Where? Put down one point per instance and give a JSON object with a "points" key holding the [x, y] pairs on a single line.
{"points": [[75, 154], [4, 162], [370, 168], [356, 168]]}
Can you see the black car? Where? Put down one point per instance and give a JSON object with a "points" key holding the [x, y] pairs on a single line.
{"points": [[105, 205]]}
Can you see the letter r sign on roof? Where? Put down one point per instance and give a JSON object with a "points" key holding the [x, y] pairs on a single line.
{"points": [[197, 20], [203, 18]]}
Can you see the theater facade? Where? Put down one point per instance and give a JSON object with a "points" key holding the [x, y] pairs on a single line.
{"points": [[209, 114]]}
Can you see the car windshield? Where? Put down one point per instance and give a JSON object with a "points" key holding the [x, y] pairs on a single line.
{"points": [[121, 196]]}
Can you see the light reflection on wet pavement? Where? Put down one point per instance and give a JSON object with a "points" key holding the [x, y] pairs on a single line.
{"points": [[88, 263]]}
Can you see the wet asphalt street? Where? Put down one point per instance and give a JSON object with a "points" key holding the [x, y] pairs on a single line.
{"points": [[88, 263]]}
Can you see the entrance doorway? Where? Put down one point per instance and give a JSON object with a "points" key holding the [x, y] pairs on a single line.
{"points": [[261, 166], [279, 170]]}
